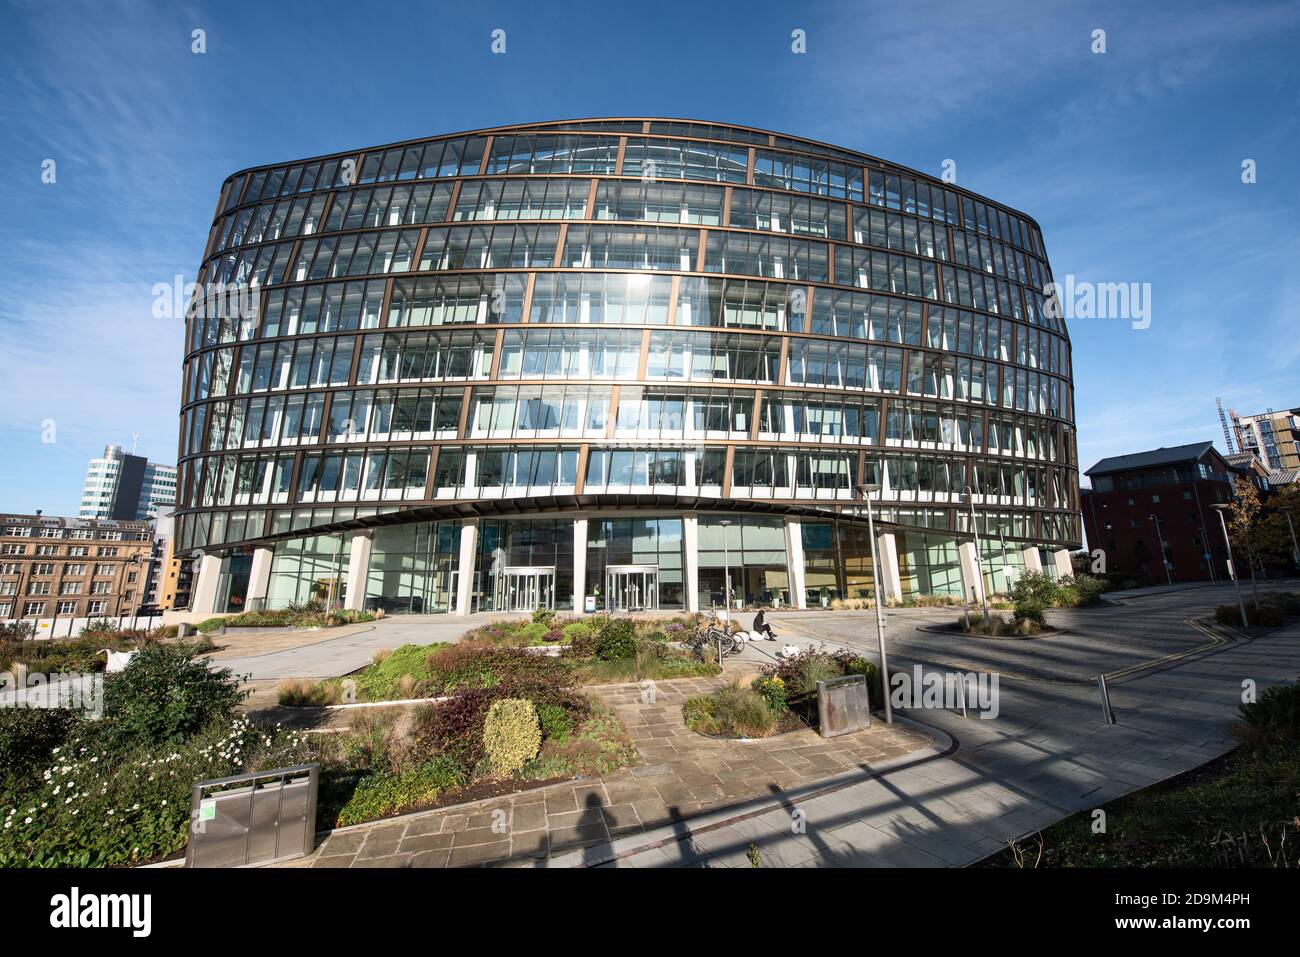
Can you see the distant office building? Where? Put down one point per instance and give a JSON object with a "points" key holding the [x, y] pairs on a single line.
{"points": [[1141, 502], [1273, 437], [127, 487], [170, 575], [71, 567]]}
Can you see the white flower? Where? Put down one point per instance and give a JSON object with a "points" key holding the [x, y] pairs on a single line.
{"points": [[28, 821]]}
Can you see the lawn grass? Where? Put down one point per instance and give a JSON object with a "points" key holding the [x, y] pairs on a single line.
{"points": [[1240, 810]]}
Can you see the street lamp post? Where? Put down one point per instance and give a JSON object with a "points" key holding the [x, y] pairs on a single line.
{"points": [[726, 523], [1160, 538], [979, 554], [866, 492], [1232, 568]]}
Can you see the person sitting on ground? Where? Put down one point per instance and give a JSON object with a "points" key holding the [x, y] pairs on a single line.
{"points": [[761, 627]]}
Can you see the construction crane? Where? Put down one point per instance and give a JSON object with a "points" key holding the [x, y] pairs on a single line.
{"points": [[1223, 421]]}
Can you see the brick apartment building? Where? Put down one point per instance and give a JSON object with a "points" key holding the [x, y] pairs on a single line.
{"points": [[1172, 488], [72, 567]]}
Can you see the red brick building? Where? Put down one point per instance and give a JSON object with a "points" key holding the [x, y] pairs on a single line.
{"points": [[1139, 502]]}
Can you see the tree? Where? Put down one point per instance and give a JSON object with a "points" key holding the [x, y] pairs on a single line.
{"points": [[1276, 543], [1246, 526]]}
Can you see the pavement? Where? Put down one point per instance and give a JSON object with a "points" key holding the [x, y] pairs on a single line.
{"points": [[342, 652], [1175, 684], [682, 779]]}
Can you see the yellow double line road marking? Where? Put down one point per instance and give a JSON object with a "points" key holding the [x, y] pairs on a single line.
{"points": [[1216, 640]]}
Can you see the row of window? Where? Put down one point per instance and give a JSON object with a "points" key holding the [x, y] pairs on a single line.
{"points": [[396, 474], [36, 609], [618, 298], [76, 533], [624, 201], [50, 551], [65, 588], [649, 248], [616, 353], [648, 157], [69, 568], [585, 411]]}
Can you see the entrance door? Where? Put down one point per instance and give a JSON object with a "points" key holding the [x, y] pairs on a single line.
{"points": [[527, 589], [632, 587]]}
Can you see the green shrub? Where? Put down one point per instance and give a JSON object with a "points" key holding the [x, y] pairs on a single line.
{"points": [[815, 668], [698, 712], [1090, 589], [164, 695], [875, 686], [305, 693], [100, 809], [381, 681], [617, 639], [1275, 717], [382, 793], [1031, 595], [372, 742], [1268, 611], [512, 735], [80, 655], [801, 672], [535, 633], [455, 727], [734, 711], [555, 722], [544, 616], [772, 690], [577, 631], [27, 738]]}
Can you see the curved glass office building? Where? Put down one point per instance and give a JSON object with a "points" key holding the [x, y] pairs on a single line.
{"points": [[598, 363]]}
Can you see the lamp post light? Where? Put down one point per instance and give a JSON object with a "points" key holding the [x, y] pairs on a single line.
{"points": [[1220, 508], [1161, 539], [969, 495], [866, 491], [726, 523]]}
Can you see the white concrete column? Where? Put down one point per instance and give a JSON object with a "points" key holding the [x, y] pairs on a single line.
{"points": [[1063, 565], [205, 587], [259, 577], [891, 582], [465, 566], [972, 579], [691, 573], [1033, 560], [579, 566], [794, 562], [362, 543]]}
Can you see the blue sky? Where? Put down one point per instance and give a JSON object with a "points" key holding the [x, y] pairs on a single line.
{"points": [[1130, 160]]}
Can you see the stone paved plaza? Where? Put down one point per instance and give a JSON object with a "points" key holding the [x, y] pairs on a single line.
{"points": [[680, 775]]}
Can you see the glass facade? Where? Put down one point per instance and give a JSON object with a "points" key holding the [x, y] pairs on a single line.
{"points": [[595, 313]]}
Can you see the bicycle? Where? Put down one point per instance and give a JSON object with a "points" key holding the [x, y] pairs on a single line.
{"points": [[712, 636]]}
